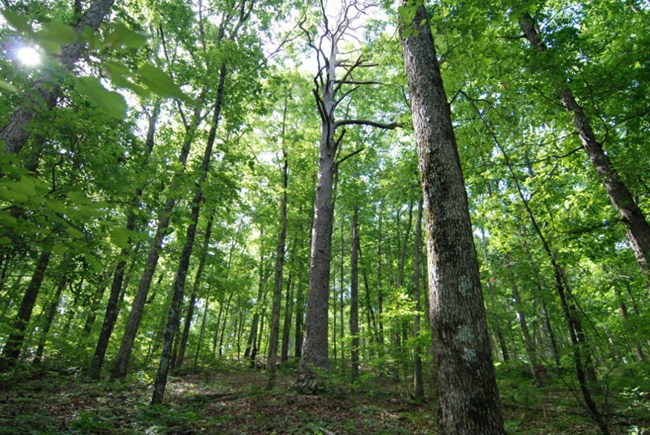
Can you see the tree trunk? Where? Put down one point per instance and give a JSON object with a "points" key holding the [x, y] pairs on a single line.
{"points": [[45, 92], [314, 349], [279, 264], [49, 317], [637, 225], [184, 262], [251, 345], [97, 299], [288, 311], [14, 343], [535, 369], [468, 401], [418, 383], [124, 353], [354, 295], [195, 291]]}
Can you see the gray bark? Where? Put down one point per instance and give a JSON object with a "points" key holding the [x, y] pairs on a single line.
{"points": [[468, 401]]}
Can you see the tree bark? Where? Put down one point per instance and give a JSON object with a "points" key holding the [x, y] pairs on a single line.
{"points": [[468, 401], [637, 225], [46, 90]]}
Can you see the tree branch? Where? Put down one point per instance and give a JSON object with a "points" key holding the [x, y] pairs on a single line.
{"points": [[391, 126]]}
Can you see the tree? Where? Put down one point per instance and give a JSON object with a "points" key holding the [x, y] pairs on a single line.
{"points": [[468, 400], [329, 95], [631, 214]]}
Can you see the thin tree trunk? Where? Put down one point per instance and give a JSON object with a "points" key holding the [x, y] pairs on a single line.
{"points": [[288, 311], [97, 299], [418, 383], [342, 293], [184, 262], [14, 343], [354, 294], [584, 371], [251, 346], [637, 225], [199, 344], [49, 317], [279, 262], [468, 401], [120, 365], [535, 368], [195, 291]]}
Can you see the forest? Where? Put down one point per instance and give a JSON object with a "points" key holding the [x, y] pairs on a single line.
{"points": [[326, 217]]}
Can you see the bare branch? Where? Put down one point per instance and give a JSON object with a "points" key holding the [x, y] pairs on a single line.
{"points": [[391, 126], [352, 154]]}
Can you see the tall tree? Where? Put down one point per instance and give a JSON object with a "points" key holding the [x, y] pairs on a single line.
{"points": [[329, 94], [468, 401]]}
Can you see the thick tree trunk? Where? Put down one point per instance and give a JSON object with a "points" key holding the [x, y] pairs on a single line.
{"points": [[14, 343], [468, 401], [315, 345], [354, 295], [120, 365], [45, 92], [637, 225], [418, 383], [184, 262]]}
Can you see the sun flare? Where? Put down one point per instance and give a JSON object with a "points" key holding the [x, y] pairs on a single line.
{"points": [[29, 56]]}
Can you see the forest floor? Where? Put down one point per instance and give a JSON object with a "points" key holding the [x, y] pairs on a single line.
{"points": [[231, 399]]}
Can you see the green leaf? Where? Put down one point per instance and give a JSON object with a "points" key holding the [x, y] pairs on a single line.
{"points": [[59, 249], [125, 37], [159, 82], [18, 21], [112, 102], [5, 241], [8, 87], [94, 263], [120, 238], [57, 33]]}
